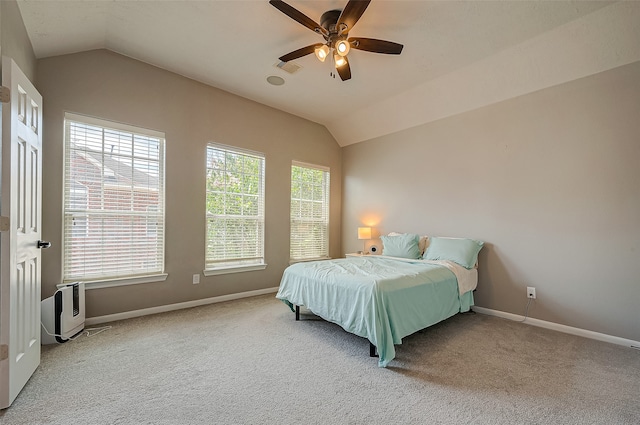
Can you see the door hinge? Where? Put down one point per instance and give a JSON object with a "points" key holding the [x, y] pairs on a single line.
{"points": [[4, 352], [5, 94], [4, 224]]}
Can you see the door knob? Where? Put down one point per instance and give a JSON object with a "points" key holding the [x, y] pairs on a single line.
{"points": [[44, 244]]}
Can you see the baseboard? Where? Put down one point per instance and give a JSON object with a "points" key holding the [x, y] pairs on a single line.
{"points": [[560, 328], [171, 307]]}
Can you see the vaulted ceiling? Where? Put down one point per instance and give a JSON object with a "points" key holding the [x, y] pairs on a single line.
{"points": [[458, 55]]}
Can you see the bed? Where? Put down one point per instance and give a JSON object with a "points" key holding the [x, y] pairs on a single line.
{"points": [[385, 298]]}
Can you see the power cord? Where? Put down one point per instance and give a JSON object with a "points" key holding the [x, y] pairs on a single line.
{"points": [[98, 330], [526, 311], [54, 334], [86, 332]]}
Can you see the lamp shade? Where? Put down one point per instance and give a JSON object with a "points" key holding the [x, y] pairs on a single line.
{"points": [[364, 232], [322, 52], [342, 47]]}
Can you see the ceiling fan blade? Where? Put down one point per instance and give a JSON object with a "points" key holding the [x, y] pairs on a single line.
{"points": [[298, 16], [344, 71], [376, 46], [351, 13], [299, 53]]}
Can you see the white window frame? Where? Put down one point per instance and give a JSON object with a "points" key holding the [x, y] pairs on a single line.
{"points": [[123, 273], [250, 259], [297, 252]]}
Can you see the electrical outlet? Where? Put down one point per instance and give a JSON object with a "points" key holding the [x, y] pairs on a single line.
{"points": [[196, 279], [531, 292]]}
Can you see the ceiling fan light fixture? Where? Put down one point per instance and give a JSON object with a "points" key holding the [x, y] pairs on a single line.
{"points": [[322, 52], [335, 27], [342, 47], [339, 60]]}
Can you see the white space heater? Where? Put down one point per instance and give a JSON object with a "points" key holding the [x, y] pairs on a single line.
{"points": [[63, 314]]}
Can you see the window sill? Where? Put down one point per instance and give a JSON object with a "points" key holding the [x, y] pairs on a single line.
{"points": [[234, 269], [110, 283], [305, 260]]}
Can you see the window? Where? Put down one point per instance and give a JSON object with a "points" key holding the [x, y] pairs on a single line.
{"points": [[113, 195], [235, 210], [78, 201], [309, 212], [152, 226]]}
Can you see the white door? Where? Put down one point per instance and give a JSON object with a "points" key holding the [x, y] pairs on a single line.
{"points": [[20, 201]]}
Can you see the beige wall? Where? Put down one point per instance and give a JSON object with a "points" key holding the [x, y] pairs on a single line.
{"points": [[549, 180], [14, 40], [110, 86]]}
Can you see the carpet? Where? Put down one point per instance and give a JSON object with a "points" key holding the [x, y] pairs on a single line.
{"points": [[248, 361]]}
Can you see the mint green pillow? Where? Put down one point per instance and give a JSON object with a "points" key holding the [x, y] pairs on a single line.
{"points": [[459, 250], [403, 246]]}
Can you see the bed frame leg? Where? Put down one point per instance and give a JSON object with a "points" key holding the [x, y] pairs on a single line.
{"points": [[372, 350], [297, 313]]}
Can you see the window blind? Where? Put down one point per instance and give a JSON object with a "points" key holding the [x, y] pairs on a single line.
{"points": [[235, 207], [113, 200], [309, 212]]}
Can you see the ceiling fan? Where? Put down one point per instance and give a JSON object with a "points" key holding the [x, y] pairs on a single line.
{"points": [[334, 27]]}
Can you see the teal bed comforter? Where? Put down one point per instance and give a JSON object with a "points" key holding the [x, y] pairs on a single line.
{"points": [[378, 298]]}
